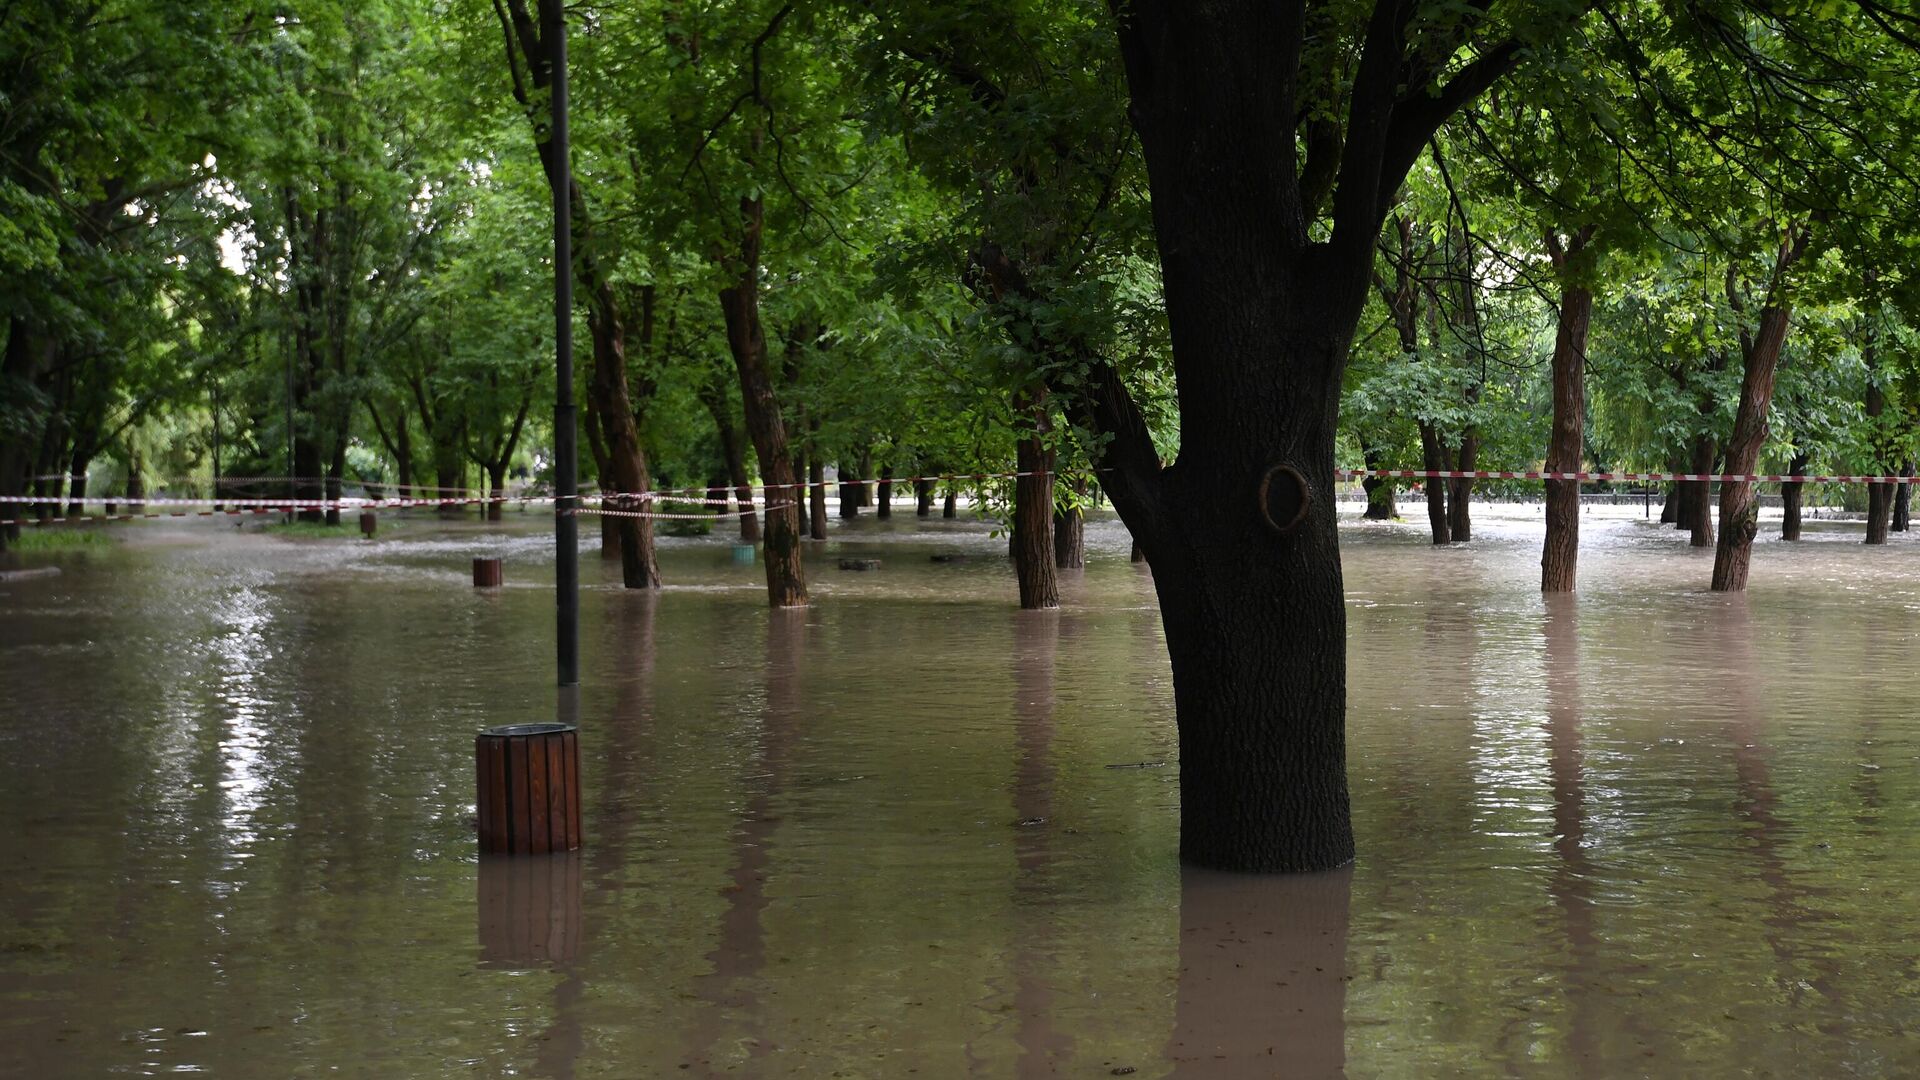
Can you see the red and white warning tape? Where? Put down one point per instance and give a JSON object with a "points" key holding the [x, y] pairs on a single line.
{"points": [[697, 495]]}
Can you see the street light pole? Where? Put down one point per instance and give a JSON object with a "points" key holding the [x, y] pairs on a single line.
{"points": [[566, 522]]}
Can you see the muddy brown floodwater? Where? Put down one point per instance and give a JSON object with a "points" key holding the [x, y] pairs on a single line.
{"points": [[913, 831]]}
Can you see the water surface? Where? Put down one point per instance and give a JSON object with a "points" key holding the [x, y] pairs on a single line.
{"points": [[913, 831]]}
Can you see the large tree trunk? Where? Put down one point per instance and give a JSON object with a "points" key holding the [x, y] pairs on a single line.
{"points": [[1069, 539], [747, 340], [1696, 513], [922, 497], [1560, 556], [1433, 458], [883, 508], [1739, 510], [1790, 499], [950, 506], [1031, 539]]}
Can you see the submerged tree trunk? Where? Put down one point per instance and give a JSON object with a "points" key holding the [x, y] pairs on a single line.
{"points": [[1379, 490], [1434, 459], [1069, 539], [1460, 489], [1696, 513], [1031, 538], [922, 497], [798, 496], [746, 339], [1879, 496], [950, 507], [1902, 498], [884, 507], [1739, 510], [1560, 556], [1790, 499], [817, 495]]}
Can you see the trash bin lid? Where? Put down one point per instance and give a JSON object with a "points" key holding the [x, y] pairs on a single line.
{"points": [[508, 731]]}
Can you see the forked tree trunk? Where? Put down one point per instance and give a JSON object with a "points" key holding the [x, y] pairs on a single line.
{"points": [[1433, 456], [1790, 494], [1560, 556], [1739, 510], [746, 339], [1031, 539]]}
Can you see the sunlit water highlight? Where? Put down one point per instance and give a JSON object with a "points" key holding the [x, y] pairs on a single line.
{"points": [[1648, 831]]}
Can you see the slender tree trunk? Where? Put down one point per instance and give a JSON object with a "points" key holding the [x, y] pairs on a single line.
{"points": [[1460, 489], [923, 497], [1560, 556], [626, 461], [1031, 538], [1379, 490], [1696, 514], [734, 454], [496, 489], [1739, 510], [746, 339], [1790, 499], [817, 497], [884, 507], [799, 495], [77, 483], [1433, 455], [336, 476], [1069, 539], [1902, 498], [1879, 496], [950, 507]]}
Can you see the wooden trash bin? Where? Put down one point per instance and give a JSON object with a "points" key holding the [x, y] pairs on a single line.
{"points": [[369, 521], [529, 788], [487, 574]]}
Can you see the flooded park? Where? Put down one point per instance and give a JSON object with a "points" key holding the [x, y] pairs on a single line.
{"points": [[911, 830]]}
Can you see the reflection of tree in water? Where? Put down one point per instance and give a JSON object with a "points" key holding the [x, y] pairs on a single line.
{"points": [[1044, 1050], [1571, 881], [741, 954], [625, 736], [1263, 975], [1757, 806]]}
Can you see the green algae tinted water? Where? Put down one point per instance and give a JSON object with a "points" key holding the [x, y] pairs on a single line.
{"points": [[913, 831]]}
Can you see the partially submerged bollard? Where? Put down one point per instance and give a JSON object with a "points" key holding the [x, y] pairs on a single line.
{"points": [[487, 574], [529, 788], [369, 521]]}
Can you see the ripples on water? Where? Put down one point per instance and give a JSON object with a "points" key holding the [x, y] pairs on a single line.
{"points": [[1646, 831]]}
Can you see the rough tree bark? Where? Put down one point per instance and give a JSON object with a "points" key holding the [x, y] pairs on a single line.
{"points": [[1031, 540], [1560, 556], [1760, 357], [1379, 489], [530, 58], [1241, 529], [1790, 494], [747, 340], [1879, 496], [1696, 511], [1433, 457]]}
